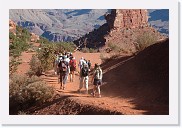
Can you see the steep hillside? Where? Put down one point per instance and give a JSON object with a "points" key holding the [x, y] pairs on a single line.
{"points": [[145, 77]]}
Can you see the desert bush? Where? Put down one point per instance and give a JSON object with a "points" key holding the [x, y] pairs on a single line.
{"points": [[35, 66], [102, 57], [17, 47], [107, 59], [85, 50], [46, 56], [18, 44], [22, 113], [65, 46], [43, 40], [91, 50], [25, 92], [11, 36], [113, 47], [13, 64], [88, 50], [145, 40], [19, 41]]}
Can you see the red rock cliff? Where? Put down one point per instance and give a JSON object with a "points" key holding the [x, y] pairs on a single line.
{"points": [[129, 18]]}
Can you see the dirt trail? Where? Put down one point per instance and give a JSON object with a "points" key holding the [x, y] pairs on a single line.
{"points": [[117, 104]]}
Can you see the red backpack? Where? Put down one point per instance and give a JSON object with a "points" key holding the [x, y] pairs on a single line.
{"points": [[73, 63]]}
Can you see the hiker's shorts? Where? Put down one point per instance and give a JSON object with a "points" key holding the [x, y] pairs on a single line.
{"points": [[97, 82], [72, 69]]}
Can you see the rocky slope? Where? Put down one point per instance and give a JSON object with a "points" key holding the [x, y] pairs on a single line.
{"points": [[69, 24], [59, 24], [122, 28]]}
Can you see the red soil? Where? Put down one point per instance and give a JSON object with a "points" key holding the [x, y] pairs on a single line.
{"points": [[132, 85]]}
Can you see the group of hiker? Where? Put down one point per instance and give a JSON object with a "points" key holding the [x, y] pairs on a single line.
{"points": [[65, 66]]}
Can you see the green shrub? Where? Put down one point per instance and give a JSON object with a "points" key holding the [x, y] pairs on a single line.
{"points": [[11, 36], [13, 64], [65, 46], [19, 42], [91, 50], [88, 50], [46, 56], [145, 40], [35, 66], [43, 40], [25, 92]]}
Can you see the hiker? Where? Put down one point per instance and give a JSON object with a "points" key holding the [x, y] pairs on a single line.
{"points": [[64, 71], [84, 78], [97, 80], [89, 65], [81, 63], [60, 58], [55, 64], [72, 65], [68, 61]]}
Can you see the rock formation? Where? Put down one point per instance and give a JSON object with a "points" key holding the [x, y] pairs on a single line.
{"points": [[12, 27], [122, 29], [120, 18]]}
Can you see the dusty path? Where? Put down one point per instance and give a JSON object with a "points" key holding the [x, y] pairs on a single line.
{"points": [[117, 104], [120, 104]]}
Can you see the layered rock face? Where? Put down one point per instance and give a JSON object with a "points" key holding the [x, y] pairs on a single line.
{"points": [[123, 28], [127, 18]]}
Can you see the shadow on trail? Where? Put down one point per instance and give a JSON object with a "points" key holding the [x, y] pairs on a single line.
{"points": [[64, 105], [58, 98], [142, 79]]}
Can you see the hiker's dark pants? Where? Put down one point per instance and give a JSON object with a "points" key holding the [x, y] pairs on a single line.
{"points": [[63, 77]]}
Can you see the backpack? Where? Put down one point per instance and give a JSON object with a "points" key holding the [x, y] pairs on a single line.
{"points": [[97, 74], [89, 64], [72, 63], [85, 71], [63, 66]]}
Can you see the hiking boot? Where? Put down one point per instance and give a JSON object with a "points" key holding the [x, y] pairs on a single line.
{"points": [[99, 96], [86, 92], [63, 88], [93, 94], [78, 91]]}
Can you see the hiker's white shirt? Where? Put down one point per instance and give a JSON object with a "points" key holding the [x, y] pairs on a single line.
{"points": [[81, 63], [67, 60]]}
